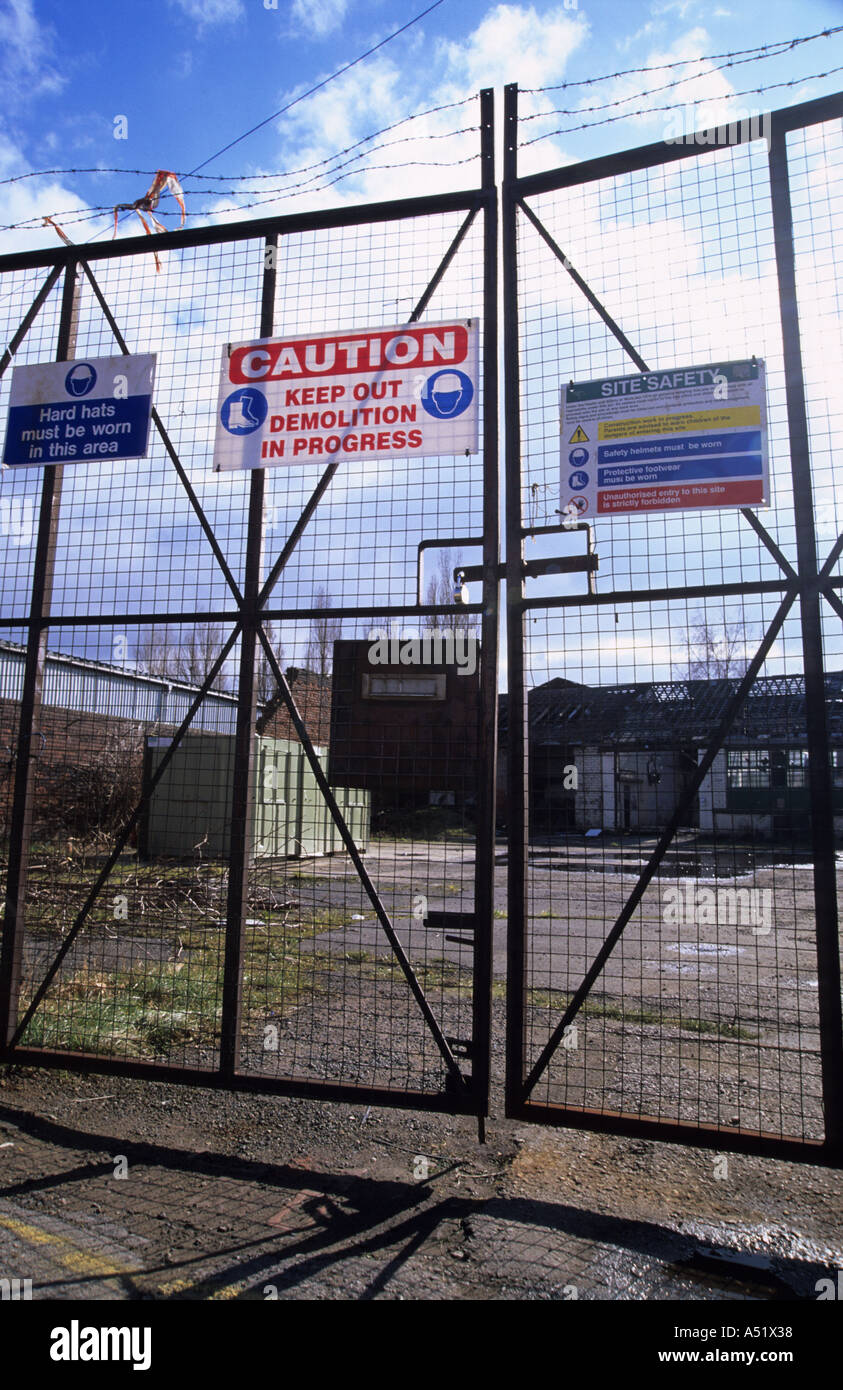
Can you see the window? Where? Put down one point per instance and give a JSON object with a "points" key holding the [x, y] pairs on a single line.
{"points": [[748, 767], [404, 687], [797, 767]]}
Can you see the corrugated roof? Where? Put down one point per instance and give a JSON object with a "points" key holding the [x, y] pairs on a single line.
{"points": [[666, 713], [95, 687]]}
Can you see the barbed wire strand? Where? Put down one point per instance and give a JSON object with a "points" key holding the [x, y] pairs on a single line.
{"points": [[772, 50], [279, 173], [654, 110], [631, 96]]}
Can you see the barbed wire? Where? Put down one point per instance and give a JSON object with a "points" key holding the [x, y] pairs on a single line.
{"points": [[71, 216], [318, 86], [632, 96], [355, 164], [281, 173], [762, 51], [316, 183], [654, 110]]}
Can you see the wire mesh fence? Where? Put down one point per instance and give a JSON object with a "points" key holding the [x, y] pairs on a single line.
{"points": [[249, 798], [212, 871], [677, 872]]}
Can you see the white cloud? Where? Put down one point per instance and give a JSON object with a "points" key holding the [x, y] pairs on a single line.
{"points": [[30, 200], [319, 17], [512, 43], [424, 155], [26, 68], [207, 12]]}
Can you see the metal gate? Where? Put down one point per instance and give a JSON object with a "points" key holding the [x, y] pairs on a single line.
{"points": [[674, 729], [224, 868], [193, 892]]}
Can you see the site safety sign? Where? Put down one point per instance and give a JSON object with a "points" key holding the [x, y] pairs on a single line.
{"points": [[398, 392], [683, 439], [73, 412]]}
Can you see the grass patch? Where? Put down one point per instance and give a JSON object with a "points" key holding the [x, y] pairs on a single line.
{"points": [[600, 1006], [426, 823]]}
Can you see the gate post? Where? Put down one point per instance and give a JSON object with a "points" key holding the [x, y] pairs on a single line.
{"points": [[240, 845], [20, 832], [816, 715], [484, 880], [517, 733]]}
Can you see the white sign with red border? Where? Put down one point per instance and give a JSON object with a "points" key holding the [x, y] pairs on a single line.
{"points": [[372, 393]]}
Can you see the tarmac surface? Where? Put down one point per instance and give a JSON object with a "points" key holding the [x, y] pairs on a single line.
{"points": [[226, 1196]]}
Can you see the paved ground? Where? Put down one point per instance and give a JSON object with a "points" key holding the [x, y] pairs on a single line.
{"points": [[250, 1197]]}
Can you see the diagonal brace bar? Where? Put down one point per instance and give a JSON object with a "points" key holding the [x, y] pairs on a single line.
{"points": [[665, 839], [614, 328], [327, 477], [29, 318], [121, 840], [168, 445], [348, 840]]}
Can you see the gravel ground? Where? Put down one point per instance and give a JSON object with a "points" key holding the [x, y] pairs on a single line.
{"points": [[254, 1197]]}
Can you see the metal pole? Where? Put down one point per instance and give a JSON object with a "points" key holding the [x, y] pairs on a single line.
{"points": [[20, 833], [484, 887], [516, 810], [242, 800], [816, 718]]}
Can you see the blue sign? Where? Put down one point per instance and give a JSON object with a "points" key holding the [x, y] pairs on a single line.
{"points": [[447, 394], [684, 470], [578, 458], [685, 446], [578, 481], [244, 411], [62, 412]]}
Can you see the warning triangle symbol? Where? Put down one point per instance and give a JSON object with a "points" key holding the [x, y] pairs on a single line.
{"points": [[579, 436]]}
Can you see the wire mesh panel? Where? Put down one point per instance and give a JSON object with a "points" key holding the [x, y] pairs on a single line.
{"points": [[251, 732], [674, 858]]}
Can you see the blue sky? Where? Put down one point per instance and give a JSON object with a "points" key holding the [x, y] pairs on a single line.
{"points": [[189, 76]]}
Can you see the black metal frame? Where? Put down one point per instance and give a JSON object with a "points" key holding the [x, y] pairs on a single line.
{"points": [[808, 584], [467, 1095]]}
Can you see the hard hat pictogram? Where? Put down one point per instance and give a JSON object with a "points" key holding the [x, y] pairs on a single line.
{"points": [[81, 379], [447, 394]]}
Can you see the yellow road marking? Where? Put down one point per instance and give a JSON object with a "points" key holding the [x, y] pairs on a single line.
{"points": [[69, 1255]]}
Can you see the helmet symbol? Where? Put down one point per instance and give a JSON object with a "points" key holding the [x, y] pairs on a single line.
{"points": [[447, 394], [80, 379]]}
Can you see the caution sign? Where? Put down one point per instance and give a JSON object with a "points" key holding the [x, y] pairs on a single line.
{"points": [[375, 393], [685, 439]]}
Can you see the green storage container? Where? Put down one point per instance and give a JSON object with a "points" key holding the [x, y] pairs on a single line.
{"points": [[191, 806]]}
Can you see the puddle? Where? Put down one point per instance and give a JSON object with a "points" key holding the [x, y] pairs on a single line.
{"points": [[704, 948]]}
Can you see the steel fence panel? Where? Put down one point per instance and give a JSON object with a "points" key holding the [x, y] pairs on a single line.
{"points": [[674, 973], [188, 895]]}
